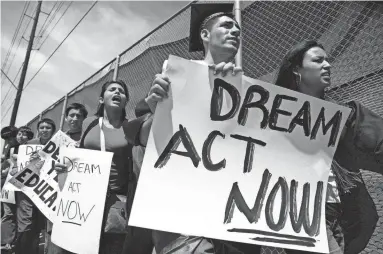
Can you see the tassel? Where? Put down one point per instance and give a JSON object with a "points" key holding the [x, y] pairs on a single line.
{"points": [[345, 179]]}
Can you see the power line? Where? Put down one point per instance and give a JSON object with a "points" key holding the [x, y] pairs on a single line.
{"points": [[5, 97], [62, 15], [55, 24], [14, 55], [8, 78], [26, 5], [47, 17], [10, 106], [51, 18], [34, 53], [94, 3]]}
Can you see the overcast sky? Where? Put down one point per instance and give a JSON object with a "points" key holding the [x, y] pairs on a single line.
{"points": [[109, 29]]}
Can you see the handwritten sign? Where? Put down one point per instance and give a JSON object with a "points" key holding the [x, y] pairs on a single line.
{"points": [[38, 180], [52, 148], [23, 156], [238, 159], [82, 200]]}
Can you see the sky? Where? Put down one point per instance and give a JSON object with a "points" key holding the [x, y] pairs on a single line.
{"points": [[108, 29]]}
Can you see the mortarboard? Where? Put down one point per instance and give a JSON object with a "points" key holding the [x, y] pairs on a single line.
{"points": [[200, 12]]}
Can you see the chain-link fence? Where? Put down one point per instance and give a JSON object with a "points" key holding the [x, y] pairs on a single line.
{"points": [[351, 32]]}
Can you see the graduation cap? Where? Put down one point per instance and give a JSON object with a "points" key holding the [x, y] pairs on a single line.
{"points": [[201, 13]]}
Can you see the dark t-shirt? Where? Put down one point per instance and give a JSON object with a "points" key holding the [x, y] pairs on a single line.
{"points": [[114, 142]]}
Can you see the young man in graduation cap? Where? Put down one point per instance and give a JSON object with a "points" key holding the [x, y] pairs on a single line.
{"points": [[214, 31]]}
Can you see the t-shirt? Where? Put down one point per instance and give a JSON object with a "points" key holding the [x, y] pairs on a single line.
{"points": [[35, 141], [76, 136], [114, 142]]}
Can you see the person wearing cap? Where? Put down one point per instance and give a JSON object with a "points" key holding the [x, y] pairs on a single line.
{"points": [[14, 137], [215, 32]]}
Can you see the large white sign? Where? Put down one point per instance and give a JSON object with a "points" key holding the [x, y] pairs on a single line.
{"points": [[238, 159], [38, 180], [41, 183], [23, 157], [80, 209]]}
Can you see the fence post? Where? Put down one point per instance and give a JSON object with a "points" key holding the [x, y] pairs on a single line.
{"points": [[237, 12], [63, 112], [37, 129], [115, 74]]}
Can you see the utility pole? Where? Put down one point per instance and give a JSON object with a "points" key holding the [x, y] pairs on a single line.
{"points": [[25, 66]]}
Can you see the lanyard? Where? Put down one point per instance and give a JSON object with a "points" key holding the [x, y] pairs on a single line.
{"points": [[102, 136]]}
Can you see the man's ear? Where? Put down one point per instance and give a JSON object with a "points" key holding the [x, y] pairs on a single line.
{"points": [[101, 100], [205, 34]]}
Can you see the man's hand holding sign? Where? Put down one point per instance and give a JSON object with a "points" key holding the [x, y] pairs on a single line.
{"points": [[247, 161]]}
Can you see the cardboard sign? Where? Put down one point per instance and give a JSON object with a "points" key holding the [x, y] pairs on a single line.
{"points": [[82, 200], [41, 184], [238, 159], [38, 180], [52, 148], [23, 156]]}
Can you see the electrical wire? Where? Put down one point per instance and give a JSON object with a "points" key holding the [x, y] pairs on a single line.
{"points": [[91, 7], [26, 5], [94, 3]]}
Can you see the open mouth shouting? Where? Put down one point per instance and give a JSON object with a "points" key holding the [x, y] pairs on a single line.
{"points": [[116, 99]]}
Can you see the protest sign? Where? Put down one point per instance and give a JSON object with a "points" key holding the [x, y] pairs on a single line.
{"points": [[38, 180], [41, 184], [238, 159], [23, 156], [82, 200], [51, 149]]}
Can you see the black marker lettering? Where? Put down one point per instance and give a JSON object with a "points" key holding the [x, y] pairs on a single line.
{"points": [[191, 152], [34, 177], [304, 215], [23, 174], [236, 198], [217, 98], [242, 116], [206, 158], [275, 111], [248, 163], [334, 124], [50, 147], [281, 184], [302, 118], [50, 201]]}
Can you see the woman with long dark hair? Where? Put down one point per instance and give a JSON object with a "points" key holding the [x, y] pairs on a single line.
{"points": [[351, 215], [109, 120], [109, 130]]}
